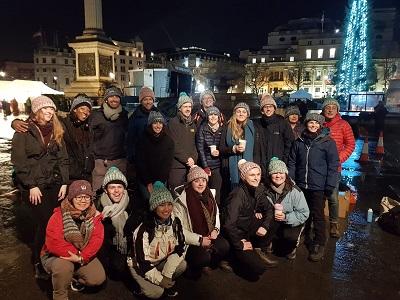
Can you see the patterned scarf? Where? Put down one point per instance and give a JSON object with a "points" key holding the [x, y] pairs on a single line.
{"points": [[118, 215], [111, 113], [79, 237]]}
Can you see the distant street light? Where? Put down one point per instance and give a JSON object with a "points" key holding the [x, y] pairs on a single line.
{"points": [[55, 78], [2, 74], [112, 75]]}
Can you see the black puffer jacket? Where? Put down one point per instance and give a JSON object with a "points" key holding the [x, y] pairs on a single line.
{"points": [[35, 164], [242, 204], [78, 142], [204, 139]]}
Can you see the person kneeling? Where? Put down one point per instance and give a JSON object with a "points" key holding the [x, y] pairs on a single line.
{"points": [[248, 215], [291, 209], [74, 234], [158, 247]]}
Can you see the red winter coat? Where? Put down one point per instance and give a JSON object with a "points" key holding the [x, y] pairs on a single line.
{"points": [[56, 244], [342, 134]]}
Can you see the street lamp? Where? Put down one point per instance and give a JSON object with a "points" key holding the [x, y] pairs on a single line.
{"points": [[55, 78], [2, 74]]}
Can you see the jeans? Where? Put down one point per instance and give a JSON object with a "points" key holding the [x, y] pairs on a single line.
{"points": [[333, 202]]}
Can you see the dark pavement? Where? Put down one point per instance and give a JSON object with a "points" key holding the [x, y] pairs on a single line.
{"points": [[363, 264]]}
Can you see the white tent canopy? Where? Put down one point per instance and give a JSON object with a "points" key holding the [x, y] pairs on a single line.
{"points": [[21, 90], [300, 94]]}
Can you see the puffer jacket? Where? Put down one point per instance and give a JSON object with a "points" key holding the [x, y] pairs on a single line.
{"points": [[204, 139], [35, 164], [242, 204], [294, 204], [342, 134], [314, 164]]}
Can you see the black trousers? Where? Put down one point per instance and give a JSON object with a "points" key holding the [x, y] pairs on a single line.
{"points": [[176, 177], [280, 230], [41, 214], [198, 257], [316, 203], [215, 182]]}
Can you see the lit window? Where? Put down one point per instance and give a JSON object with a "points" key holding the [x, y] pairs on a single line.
{"points": [[291, 58], [332, 52], [263, 59], [308, 54], [317, 90], [197, 62], [254, 60], [186, 62], [320, 53]]}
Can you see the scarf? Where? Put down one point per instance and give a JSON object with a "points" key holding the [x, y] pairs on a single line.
{"points": [[46, 131], [214, 128], [118, 215], [202, 210], [186, 120], [247, 155], [79, 237], [79, 129], [111, 113]]}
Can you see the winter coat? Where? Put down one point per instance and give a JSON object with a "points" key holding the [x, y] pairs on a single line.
{"points": [[56, 245], [108, 136], [204, 139], [78, 143], [154, 244], [154, 156], [278, 138], [298, 130], [137, 124], [294, 204], [342, 134], [183, 136], [37, 165], [242, 204], [314, 164]]}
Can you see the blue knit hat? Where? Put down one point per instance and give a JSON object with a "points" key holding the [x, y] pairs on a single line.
{"points": [[159, 195], [183, 98]]}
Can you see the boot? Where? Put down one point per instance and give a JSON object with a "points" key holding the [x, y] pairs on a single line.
{"points": [[267, 258], [317, 253], [334, 230], [291, 255]]}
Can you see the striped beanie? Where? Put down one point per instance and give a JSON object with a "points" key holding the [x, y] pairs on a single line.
{"points": [[159, 195], [114, 175]]}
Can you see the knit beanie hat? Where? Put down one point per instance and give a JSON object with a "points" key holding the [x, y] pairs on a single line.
{"points": [[267, 99], [114, 175], [196, 172], [292, 110], [159, 195], [155, 116], [41, 102], [146, 92], [277, 166], [330, 101], [183, 98], [245, 166], [315, 117], [213, 111], [79, 187], [81, 101], [112, 91], [242, 105], [207, 92]]}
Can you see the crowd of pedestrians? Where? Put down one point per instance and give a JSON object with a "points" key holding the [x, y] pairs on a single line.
{"points": [[206, 192]]}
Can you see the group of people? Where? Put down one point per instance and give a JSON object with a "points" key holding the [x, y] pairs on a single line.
{"points": [[208, 192]]}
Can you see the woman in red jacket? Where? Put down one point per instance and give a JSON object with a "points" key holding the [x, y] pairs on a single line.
{"points": [[74, 235]]}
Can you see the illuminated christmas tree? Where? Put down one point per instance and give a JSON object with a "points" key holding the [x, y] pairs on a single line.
{"points": [[356, 72]]}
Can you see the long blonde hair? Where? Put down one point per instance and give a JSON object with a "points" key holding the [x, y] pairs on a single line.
{"points": [[236, 128], [58, 129]]}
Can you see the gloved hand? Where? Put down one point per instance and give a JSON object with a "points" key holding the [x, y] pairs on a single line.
{"points": [[208, 171], [167, 283], [328, 193]]}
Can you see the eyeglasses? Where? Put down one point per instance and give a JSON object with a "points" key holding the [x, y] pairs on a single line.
{"points": [[83, 198]]}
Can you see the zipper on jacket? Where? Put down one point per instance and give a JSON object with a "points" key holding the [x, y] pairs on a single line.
{"points": [[308, 152]]}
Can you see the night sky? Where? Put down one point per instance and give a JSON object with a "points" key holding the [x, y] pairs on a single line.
{"points": [[221, 25]]}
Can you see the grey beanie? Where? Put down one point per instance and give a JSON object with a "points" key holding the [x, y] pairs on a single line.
{"points": [[242, 105], [159, 195], [80, 101], [183, 98], [155, 116], [114, 175], [207, 92], [330, 101], [277, 166], [292, 110], [213, 110], [315, 117], [112, 91]]}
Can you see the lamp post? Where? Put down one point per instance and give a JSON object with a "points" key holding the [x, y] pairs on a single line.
{"points": [[55, 81]]}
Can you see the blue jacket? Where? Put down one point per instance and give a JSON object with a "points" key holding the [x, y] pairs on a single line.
{"points": [[204, 139], [314, 164]]}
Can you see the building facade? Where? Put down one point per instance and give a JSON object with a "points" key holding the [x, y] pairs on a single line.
{"points": [[11, 70]]}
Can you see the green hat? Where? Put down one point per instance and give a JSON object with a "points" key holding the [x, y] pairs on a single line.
{"points": [[277, 166], [114, 175], [183, 98], [159, 195]]}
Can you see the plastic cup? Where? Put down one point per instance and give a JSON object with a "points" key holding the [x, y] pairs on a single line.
{"points": [[278, 209], [213, 148], [242, 143]]}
